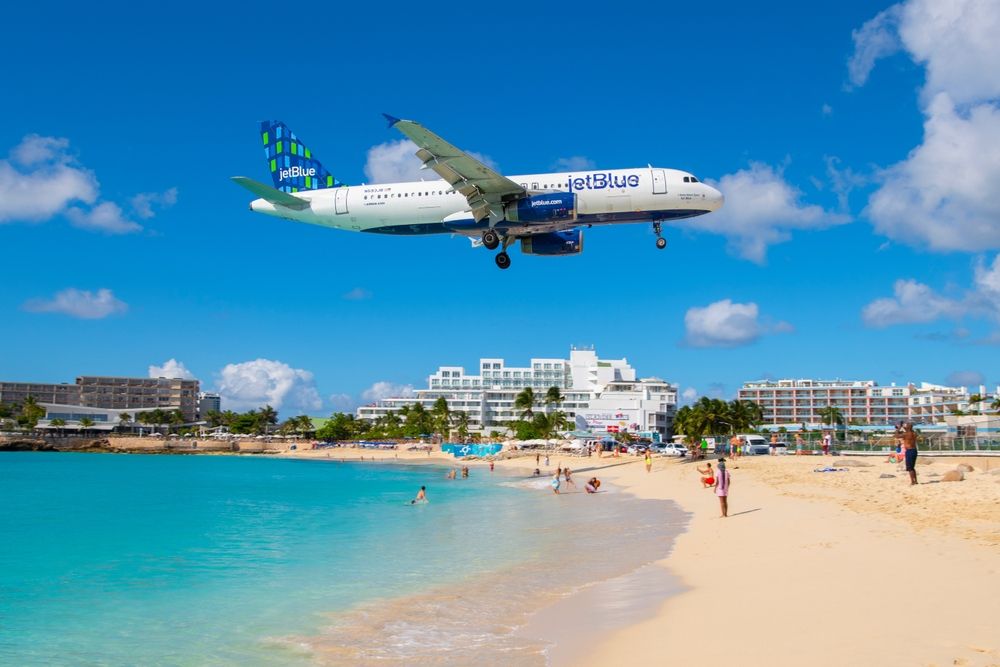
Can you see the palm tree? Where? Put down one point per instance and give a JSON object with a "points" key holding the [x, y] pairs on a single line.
{"points": [[460, 419], [995, 405], [305, 425], [268, 417], [525, 401], [831, 415], [31, 412], [556, 421], [176, 417], [441, 417], [86, 423], [59, 424], [124, 419], [553, 397]]}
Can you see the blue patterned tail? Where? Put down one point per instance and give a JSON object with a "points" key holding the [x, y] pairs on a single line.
{"points": [[291, 164]]}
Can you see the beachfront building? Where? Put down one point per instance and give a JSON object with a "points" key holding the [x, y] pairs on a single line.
{"points": [[123, 394], [605, 392], [208, 402], [859, 401]]}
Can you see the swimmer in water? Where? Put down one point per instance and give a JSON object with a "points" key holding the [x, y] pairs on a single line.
{"points": [[421, 496]]}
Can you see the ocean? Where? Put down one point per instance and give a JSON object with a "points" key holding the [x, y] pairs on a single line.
{"points": [[110, 559]]}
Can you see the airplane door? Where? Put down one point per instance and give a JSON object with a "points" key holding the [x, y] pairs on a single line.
{"points": [[341, 200], [659, 182]]}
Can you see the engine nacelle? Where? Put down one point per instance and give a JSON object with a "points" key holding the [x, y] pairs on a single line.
{"points": [[569, 242], [553, 207]]}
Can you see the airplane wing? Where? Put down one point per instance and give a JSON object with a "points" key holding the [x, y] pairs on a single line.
{"points": [[484, 188]]}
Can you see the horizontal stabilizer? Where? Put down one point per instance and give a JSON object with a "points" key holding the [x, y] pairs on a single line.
{"points": [[267, 193]]}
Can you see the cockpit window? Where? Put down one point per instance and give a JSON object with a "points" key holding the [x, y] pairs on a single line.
{"points": [[687, 179], [694, 180]]}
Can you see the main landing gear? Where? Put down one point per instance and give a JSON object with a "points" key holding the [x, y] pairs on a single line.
{"points": [[661, 242], [491, 239], [502, 258]]}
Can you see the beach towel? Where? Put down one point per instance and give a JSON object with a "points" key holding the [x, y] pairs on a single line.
{"points": [[829, 469]]}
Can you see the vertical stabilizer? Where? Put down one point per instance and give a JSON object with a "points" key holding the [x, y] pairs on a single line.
{"points": [[293, 166]]}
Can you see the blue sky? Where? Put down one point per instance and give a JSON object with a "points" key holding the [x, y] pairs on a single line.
{"points": [[859, 239]]}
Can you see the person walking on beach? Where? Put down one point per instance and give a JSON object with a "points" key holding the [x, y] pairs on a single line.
{"points": [[704, 447], [538, 460], [774, 443], [649, 461], [567, 477], [546, 460], [722, 487], [910, 451], [555, 483]]}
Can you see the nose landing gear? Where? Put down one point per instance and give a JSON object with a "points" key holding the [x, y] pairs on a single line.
{"points": [[661, 242]]}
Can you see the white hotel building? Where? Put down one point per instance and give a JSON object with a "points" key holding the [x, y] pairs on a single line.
{"points": [[605, 392], [863, 401]]}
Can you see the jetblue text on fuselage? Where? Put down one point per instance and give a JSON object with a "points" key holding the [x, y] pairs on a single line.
{"points": [[293, 172], [601, 181]]}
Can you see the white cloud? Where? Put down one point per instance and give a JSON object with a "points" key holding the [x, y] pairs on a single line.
{"points": [[342, 403], [727, 324], [689, 394], [912, 302], [395, 162], [873, 41], [965, 379], [358, 294], [943, 194], [253, 384], [105, 217], [761, 209], [826, 110], [171, 369], [573, 163], [41, 179], [82, 304], [144, 203], [381, 390]]}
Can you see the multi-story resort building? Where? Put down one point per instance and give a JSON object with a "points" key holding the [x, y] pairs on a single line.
{"points": [[605, 392], [860, 402], [102, 399], [208, 402]]}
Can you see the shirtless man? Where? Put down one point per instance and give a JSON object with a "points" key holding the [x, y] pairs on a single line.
{"points": [[421, 496], [910, 451]]}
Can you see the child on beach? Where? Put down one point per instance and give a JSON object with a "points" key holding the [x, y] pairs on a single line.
{"points": [[592, 485], [649, 461], [567, 478], [555, 483], [722, 487]]}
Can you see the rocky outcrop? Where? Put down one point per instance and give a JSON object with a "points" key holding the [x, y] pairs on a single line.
{"points": [[25, 445]]}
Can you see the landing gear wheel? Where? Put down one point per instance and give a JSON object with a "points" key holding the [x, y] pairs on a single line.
{"points": [[491, 239], [661, 243], [503, 260]]}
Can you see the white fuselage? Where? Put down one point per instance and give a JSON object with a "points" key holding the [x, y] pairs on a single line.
{"points": [[646, 194]]}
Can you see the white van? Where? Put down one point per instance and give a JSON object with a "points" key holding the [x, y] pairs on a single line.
{"points": [[755, 444]]}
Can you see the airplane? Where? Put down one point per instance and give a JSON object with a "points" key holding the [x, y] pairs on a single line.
{"points": [[545, 212]]}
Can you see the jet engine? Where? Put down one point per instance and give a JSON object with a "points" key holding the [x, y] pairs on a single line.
{"points": [[569, 242], [553, 207]]}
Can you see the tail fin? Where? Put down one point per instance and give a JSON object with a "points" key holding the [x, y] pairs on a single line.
{"points": [[291, 164]]}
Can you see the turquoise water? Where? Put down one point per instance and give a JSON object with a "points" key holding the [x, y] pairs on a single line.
{"points": [[214, 560]]}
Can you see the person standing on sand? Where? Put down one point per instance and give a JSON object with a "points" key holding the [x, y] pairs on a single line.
{"points": [[649, 461], [774, 443], [722, 487], [555, 483], [546, 460], [910, 451], [538, 460]]}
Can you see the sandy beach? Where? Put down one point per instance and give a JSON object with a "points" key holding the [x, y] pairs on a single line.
{"points": [[827, 568]]}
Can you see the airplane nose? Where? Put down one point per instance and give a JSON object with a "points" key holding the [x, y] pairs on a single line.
{"points": [[715, 199]]}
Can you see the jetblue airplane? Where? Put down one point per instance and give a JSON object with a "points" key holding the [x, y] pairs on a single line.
{"points": [[545, 212]]}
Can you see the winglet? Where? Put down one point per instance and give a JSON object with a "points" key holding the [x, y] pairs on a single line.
{"points": [[392, 119]]}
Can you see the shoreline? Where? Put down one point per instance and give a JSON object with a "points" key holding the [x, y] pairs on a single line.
{"points": [[847, 567]]}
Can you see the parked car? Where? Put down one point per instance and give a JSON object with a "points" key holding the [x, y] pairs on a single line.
{"points": [[671, 449], [757, 448]]}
